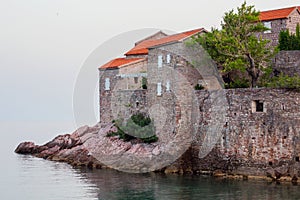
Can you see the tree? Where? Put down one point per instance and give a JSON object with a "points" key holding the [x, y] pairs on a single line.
{"points": [[236, 46]]}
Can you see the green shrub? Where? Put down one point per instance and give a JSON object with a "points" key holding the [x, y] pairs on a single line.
{"points": [[288, 41], [284, 81], [140, 119], [151, 139], [139, 126], [239, 83], [199, 87]]}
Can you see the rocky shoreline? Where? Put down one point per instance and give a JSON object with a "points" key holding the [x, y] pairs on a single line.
{"points": [[72, 149], [67, 148]]}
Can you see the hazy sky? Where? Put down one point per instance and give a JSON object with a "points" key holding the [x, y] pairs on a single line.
{"points": [[45, 43]]}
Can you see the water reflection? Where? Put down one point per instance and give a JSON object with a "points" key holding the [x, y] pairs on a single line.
{"points": [[41, 179], [115, 185]]}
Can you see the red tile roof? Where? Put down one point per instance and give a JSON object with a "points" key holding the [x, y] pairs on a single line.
{"points": [[276, 14], [142, 48], [120, 62]]}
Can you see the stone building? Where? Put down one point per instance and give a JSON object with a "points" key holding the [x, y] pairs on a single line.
{"points": [[158, 64], [241, 131], [278, 20]]}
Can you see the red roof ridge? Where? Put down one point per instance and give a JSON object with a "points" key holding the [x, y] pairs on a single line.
{"points": [[151, 36], [142, 48], [279, 13], [120, 62]]}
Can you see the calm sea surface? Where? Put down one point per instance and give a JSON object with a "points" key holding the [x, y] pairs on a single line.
{"points": [[26, 177]]}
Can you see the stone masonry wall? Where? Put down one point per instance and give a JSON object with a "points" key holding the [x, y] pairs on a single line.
{"points": [[128, 102], [276, 26], [261, 130], [192, 55], [287, 62], [293, 21], [106, 95], [118, 86], [132, 83], [252, 141], [267, 137]]}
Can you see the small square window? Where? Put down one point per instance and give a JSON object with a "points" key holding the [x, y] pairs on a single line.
{"points": [[258, 106]]}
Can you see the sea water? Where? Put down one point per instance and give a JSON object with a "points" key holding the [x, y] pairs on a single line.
{"points": [[27, 177]]}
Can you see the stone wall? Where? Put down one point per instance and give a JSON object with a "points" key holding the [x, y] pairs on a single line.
{"points": [[293, 21], [118, 86], [106, 95], [260, 131], [128, 102], [254, 139], [287, 62], [276, 26], [131, 83], [191, 60]]}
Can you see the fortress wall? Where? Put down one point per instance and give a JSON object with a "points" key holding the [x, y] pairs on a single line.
{"points": [[261, 132], [287, 62]]}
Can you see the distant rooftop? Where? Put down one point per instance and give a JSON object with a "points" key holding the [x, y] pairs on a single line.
{"points": [[120, 62], [142, 48], [277, 14]]}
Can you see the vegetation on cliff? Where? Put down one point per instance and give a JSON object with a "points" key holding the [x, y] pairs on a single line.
{"points": [[138, 127]]}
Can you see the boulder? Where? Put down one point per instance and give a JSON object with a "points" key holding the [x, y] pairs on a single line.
{"points": [[26, 148]]}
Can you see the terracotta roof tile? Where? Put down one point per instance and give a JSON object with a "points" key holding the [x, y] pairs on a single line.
{"points": [[120, 62], [276, 14], [142, 48]]}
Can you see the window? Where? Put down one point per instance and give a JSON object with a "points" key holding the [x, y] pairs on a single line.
{"points": [[168, 86], [158, 89], [258, 106], [107, 84], [136, 79], [268, 25], [168, 58], [159, 61]]}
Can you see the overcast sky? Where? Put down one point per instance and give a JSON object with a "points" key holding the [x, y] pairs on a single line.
{"points": [[45, 43]]}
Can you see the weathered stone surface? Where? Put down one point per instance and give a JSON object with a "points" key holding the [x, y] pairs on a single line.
{"points": [[287, 62], [65, 148], [253, 143], [26, 148]]}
